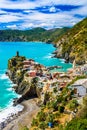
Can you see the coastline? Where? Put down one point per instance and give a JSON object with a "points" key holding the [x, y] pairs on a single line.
{"points": [[25, 116], [21, 115]]}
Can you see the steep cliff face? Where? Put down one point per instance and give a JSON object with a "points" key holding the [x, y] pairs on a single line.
{"points": [[73, 44], [16, 74]]}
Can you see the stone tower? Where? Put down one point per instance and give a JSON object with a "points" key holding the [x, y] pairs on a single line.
{"points": [[17, 53]]}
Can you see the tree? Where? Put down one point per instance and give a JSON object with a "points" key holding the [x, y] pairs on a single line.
{"points": [[42, 125], [83, 112], [61, 109], [73, 104], [77, 124], [41, 116], [34, 122]]}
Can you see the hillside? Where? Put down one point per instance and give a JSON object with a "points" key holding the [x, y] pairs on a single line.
{"points": [[36, 34], [73, 44]]}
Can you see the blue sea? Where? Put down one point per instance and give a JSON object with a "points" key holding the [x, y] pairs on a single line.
{"points": [[40, 52]]}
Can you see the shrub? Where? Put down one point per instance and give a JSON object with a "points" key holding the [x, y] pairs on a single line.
{"points": [[34, 122], [57, 114], [55, 105], [61, 109], [73, 104], [42, 125], [48, 105], [59, 99], [50, 118], [55, 90], [77, 124], [23, 128], [41, 116], [83, 112]]}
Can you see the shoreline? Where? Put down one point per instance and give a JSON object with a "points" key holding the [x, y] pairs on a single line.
{"points": [[22, 112], [23, 117]]}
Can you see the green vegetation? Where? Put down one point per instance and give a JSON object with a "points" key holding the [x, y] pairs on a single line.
{"points": [[16, 63], [23, 127], [74, 43], [77, 124], [53, 110], [73, 104], [36, 34], [80, 122]]}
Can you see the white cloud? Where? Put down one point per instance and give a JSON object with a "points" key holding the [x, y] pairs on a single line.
{"points": [[34, 18], [2, 12], [27, 11], [52, 9], [26, 4], [63, 2], [26, 25], [14, 26], [81, 11], [9, 18], [49, 20], [17, 5]]}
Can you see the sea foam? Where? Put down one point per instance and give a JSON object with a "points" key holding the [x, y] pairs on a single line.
{"points": [[48, 56], [3, 76], [10, 112]]}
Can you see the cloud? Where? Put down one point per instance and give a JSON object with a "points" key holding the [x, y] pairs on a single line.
{"points": [[81, 11], [14, 26], [52, 9], [9, 18], [45, 13], [2, 12], [31, 4], [17, 4]]}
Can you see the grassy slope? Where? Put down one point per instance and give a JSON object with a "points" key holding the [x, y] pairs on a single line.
{"points": [[74, 42]]}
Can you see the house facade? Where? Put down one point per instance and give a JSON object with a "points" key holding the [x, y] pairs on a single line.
{"points": [[80, 87]]}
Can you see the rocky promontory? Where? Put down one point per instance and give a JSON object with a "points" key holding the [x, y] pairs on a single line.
{"points": [[24, 74]]}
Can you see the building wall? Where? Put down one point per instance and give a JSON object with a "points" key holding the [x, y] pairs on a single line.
{"points": [[81, 91]]}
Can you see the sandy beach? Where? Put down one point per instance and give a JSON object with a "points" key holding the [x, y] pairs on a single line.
{"points": [[25, 117]]}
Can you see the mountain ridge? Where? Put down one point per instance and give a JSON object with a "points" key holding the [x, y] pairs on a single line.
{"points": [[35, 34]]}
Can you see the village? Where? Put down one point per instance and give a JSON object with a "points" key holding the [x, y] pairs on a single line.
{"points": [[53, 85], [59, 92], [48, 81]]}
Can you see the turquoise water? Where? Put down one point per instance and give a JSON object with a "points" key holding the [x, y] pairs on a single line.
{"points": [[40, 52]]}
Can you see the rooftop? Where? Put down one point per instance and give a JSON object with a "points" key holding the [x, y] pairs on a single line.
{"points": [[81, 82]]}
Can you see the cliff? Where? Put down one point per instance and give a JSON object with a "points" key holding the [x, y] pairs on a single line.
{"points": [[16, 73], [73, 44]]}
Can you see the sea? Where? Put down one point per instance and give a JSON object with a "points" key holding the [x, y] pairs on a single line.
{"points": [[40, 52]]}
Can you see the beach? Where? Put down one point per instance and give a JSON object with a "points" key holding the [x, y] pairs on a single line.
{"points": [[25, 117]]}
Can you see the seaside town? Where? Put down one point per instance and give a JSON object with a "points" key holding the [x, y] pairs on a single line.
{"points": [[43, 65], [59, 93]]}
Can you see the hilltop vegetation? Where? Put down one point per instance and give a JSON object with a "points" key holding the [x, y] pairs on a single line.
{"points": [[73, 44], [36, 34]]}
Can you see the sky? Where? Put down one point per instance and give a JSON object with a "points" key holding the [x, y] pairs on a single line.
{"points": [[27, 14]]}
